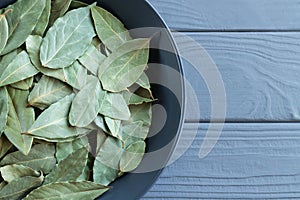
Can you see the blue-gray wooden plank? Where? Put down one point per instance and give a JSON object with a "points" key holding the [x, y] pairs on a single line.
{"points": [[250, 161], [260, 72], [202, 15]]}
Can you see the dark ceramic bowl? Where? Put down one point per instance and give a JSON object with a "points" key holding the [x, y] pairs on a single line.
{"points": [[138, 14]]}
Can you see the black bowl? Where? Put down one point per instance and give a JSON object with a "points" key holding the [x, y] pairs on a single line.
{"points": [[168, 88]]}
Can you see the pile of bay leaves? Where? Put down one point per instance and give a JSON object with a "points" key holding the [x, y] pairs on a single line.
{"points": [[75, 102]]}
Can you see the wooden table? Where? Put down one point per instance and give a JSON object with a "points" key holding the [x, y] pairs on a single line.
{"points": [[256, 47]]}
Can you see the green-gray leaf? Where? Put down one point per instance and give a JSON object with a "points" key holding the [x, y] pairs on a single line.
{"points": [[114, 126], [19, 69], [109, 29], [64, 149], [48, 91], [132, 156], [33, 44], [58, 9], [19, 118], [3, 108], [67, 39], [19, 187], [24, 84], [5, 145], [53, 122], [133, 99], [22, 18], [77, 4], [3, 32], [40, 158], [12, 172], [86, 104], [106, 166], [124, 66], [70, 168], [143, 81], [2, 184], [75, 75], [114, 106], [69, 190], [92, 59], [42, 24]]}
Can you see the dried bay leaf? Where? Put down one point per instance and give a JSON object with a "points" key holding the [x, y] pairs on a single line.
{"points": [[48, 91], [77, 4], [75, 75], [22, 18], [3, 32], [86, 104], [58, 9], [53, 122], [106, 165], [12, 172], [42, 23], [109, 29], [92, 59], [33, 43], [24, 84], [19, 69], [18, 188], [2, 184], [4, 107], [133, 99], [144, 82], [5, 146], [68, 190], [114, 126], [114, 106], [19, 118], [67, 39], [63, 150], [125, 66], [132, 156], [40, 158], [70, 168]]}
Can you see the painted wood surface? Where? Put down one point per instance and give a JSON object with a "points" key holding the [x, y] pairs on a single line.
{"points": [[255, 45], [258, 161], [260, 72], [230, 15]]}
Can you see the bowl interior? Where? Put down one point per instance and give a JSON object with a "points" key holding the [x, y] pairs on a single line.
{"points": [[138, 14]]}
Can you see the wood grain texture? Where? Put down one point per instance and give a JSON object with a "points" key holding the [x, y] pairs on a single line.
{"points": [[260, 72], [229, 15], [250, 161]]}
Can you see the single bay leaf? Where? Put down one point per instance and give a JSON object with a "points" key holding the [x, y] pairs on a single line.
{"points": [[40, 158], [48, 91], [4, 107], [124, 66], [109, 29], [133, 99], [75, 75], [63, 150], [7, 59], [19, 69], [53, 122], [22, 17], [114, 106], [70, 168], [67, 39], [68, 190], [5, 146], [114, 126], [143, 81], [58, 9], [132, 156], [106, 165], [3, 32], [92, 59], [77, 4], [12, 172], [24, 84], [18, 188], [33, 43], [42, 23], [86, 104], [15, 121]]}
